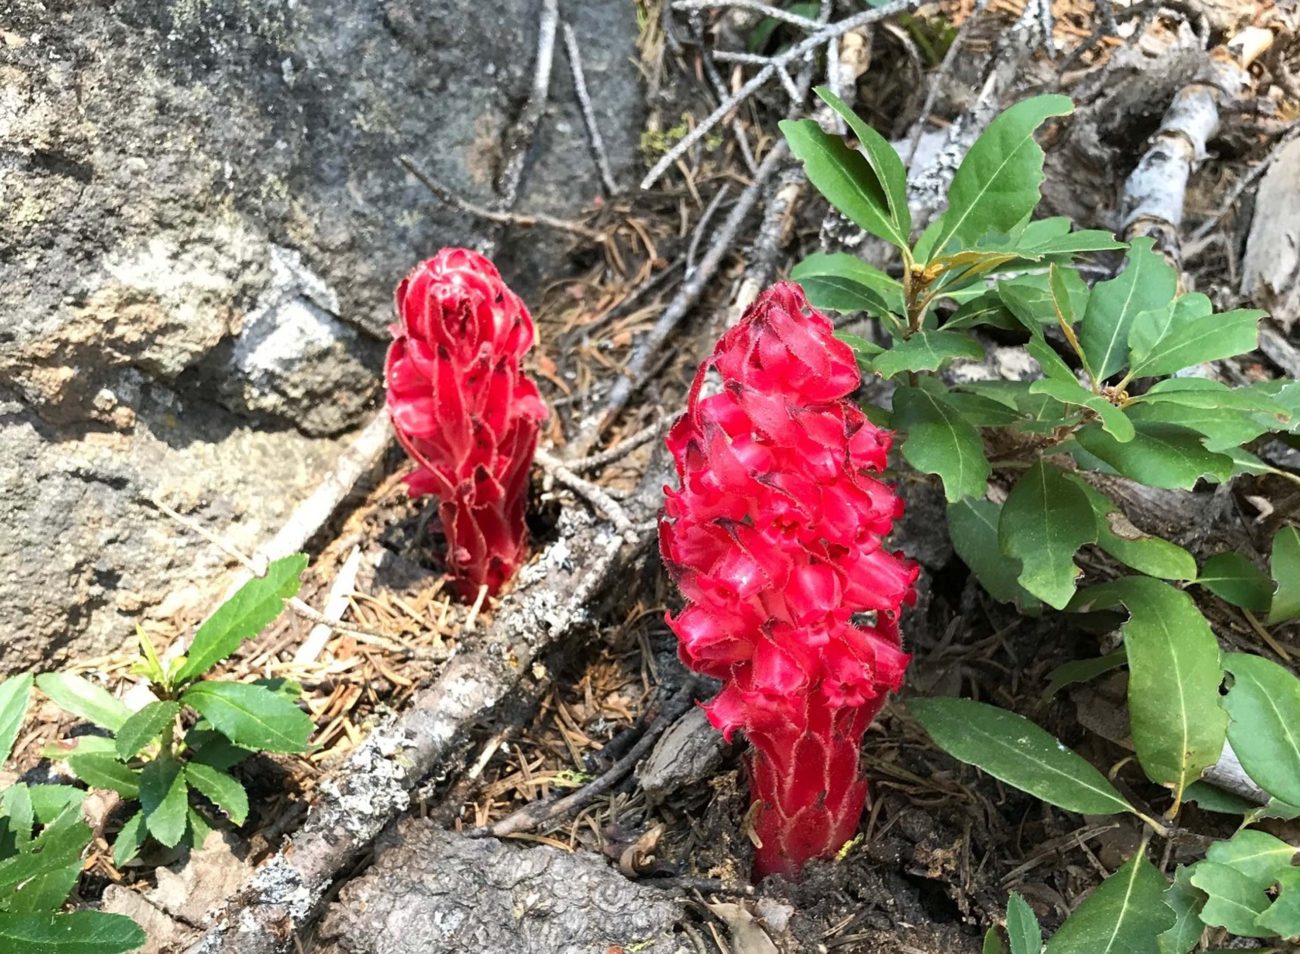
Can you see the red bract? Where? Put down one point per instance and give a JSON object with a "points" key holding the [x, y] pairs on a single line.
{"points": [[465, 411], [774, 538]]}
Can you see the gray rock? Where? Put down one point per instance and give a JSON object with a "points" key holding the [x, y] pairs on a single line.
{"points": [[432, 890], [1270, 271], [201, 225]]}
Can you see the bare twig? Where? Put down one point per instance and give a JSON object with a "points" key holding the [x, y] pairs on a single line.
{"points": [[701, 227], [525, 220], [796, 52], [619, 450], [737, 127], [687, 295], [950, 57], [585, 488], [776, 13], [336, 604], [539, 813], [588, 113], [520, 135]]}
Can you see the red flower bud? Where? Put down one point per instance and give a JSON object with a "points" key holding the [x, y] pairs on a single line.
{"points": [[774, 538], [465, 411]]}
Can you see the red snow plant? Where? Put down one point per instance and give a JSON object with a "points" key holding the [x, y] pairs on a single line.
{"points": [[465, 411], [775, 541]]}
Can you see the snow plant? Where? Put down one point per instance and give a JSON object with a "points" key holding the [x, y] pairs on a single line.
{"points": [[465, 411], [775, 538]]}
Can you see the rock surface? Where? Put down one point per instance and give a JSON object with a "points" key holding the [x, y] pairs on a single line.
{"points": [[432, 890], [201, 223], [1270, 271]]}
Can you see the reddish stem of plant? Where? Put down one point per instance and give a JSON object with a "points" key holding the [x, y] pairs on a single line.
{"points": [[464, 410], [774, 537]]}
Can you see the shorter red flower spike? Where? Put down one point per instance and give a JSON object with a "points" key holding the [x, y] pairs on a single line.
{"points": [[774, 538], [465, 411]]}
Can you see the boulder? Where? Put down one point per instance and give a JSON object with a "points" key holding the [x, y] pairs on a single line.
{"points": [[201, 223]]}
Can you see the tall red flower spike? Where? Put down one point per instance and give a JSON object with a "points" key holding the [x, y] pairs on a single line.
{"points": [[465, 411], [775, 541]]}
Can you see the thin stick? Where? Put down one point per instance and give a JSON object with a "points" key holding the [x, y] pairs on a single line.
{"points": [[737, 127], [702, 225], [521, 134], [795, 52], [336, 604], [538, 813], [691, 290], [932, 93], [588, 113], [492, 215], [619, 450], [776, 13], [585, 488]]}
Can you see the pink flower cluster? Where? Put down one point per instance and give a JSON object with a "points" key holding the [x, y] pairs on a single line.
{"points": [[774, 538], [465, 411]]}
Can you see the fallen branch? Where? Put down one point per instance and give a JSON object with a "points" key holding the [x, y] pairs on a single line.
{"points": [[520, 136], [336, 604], [549, 606], [539, 813], [588, 114], [1155, 190]]}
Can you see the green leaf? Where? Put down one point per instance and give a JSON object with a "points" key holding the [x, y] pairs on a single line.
{"points": [[1082, 670], [1147, 282], [1117, 536], [986, 309], [973, 528], [19, 814], [1013, 749], [1044, 522], [1284, 564], [1163, 343], [1234, 579], [1256, 854], [996, 186], [1124, 915], [15, 693], [1159, 455], [845, 177], [251, 716], [885, 163], [927, 351], [1234, 901], [844, 283], [1211, 799], [144, 727], [760, 35], [101, 770], [80, 932], [1223, 428], [214, 749], [224, 792], [1283, 916], [1070, 391], [993, 943], [1173, 686], [244, 615], [81, 745], [1186, 903], [1204, 393], [939, 441], [863, 349], [84, 699], [40, 878], [1038, 243], [1051, 363], [1029, 297], [130, 840], [51, 801], [1264, 728], [1022, 927], [164, 800], [981, 411]]}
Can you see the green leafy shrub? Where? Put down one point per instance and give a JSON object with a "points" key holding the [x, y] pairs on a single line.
{"points": [[151, 758], [42, 840], [1022, 464]]}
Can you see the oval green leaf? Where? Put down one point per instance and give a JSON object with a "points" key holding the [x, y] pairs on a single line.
{"points": [[15, 692], [1234, 579], [1044, 521], [1264, 723], [1124, 915], [253, 717], [84, 699], [80, 932], [144, 727], [1011, 748], [1284, 564]]}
